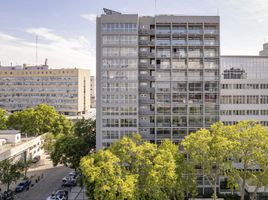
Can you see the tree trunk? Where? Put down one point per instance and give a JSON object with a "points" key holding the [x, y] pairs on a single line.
{"points": [[8, 184], [215, 189], [243, 189], [254, 195]]}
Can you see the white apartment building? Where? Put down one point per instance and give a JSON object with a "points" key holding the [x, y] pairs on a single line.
{"points": [[244, 89], [68, 90], [156, 75]]}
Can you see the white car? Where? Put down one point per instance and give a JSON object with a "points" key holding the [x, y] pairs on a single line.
{"points": [[59, 195]]}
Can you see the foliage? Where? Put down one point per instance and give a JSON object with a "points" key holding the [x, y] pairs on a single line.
{"points": [[135, 169], [9, 172], [3, 119], [250, 153], [210, 149], [70, 148], [39, 120]]}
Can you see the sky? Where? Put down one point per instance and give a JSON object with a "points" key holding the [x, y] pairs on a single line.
{"points": [[66, 29]]}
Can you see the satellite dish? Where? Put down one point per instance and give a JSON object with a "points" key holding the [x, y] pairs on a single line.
{"points": [[110, 12]]}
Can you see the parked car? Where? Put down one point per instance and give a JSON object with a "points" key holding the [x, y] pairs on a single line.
{"points": [[71, 176], [36, 159], [69, 183], [59, 195], [23, 185], [7, 195]]}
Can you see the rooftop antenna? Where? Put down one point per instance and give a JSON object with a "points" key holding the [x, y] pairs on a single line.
{"points": [[155, 7], [36, 48]]}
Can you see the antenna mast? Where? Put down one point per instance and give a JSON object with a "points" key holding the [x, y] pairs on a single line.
{"points": [[36, 48], [155, 7]]}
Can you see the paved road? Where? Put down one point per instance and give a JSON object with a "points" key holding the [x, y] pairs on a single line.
{"points": [[52, 181]]}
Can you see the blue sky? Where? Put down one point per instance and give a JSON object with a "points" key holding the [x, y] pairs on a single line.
{"points": [[66, 28]]}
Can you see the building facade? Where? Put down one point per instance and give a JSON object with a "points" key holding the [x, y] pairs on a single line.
{"points": [[68, 90], [264, 51], [244, 89], [92, 92], [156, 76]]}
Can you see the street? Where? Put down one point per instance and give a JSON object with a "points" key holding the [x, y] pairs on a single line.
{"points": [[51, 181]]}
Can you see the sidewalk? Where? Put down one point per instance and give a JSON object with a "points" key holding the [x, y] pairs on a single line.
{"points": [[77, 193]]}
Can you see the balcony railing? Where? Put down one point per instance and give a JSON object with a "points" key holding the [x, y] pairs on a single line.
{"points": [[146, 124], [146, 66], [146, 89], [179, 32], [211, 31], [146, 101], [146, 31], [146, 112], [146, 54], [146, 77], [146, 42]]}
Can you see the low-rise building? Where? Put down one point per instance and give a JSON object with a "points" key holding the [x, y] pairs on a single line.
{"points": [[20, 148], [68, 90], [244, 89]]}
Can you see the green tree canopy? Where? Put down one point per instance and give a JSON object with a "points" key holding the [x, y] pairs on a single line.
{"points": [[134, 169], [39, 120], [70, 148], [249, 153], [211, 150], [3, 119], [9, 172]]}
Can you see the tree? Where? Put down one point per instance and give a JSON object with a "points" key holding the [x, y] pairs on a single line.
{"points": [[250, 153], [3, 119], [105, 178], [24, 166], [211, 150], [9, 172], [149, 171], [39, 120], [69, 149]]}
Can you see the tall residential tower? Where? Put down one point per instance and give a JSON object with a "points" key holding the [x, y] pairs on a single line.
{"points": [[157, 76]]}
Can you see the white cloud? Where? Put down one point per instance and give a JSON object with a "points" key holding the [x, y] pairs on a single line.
{"points": [[61, 52], [90, 17]]}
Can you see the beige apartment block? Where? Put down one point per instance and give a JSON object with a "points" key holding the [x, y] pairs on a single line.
{"points": [[68, 90]]}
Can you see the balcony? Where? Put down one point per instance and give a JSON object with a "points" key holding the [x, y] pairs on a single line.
{"points": [[163, 136], [210, 43], [147, 101], [163, 32], [179, 32], [147, 89], [179, 55], [146, 124], [146, 66], [195, 31], [146, 31], [147, 136], [146, 54], [211, 32], [195, 42], [146, 112], [146, 77], [178, 43], [163, 66], [146, 43]]}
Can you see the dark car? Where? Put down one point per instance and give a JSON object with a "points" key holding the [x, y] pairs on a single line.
{"points": [[23, 185], [7, 195], [69, 183], [36, 159]]}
